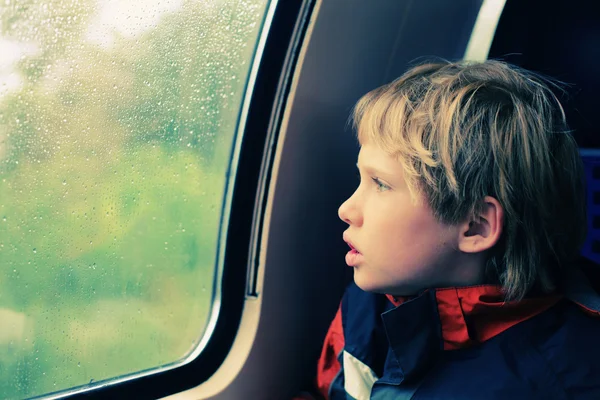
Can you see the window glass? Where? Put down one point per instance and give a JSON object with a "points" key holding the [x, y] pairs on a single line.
{"points": [[117, 120]]}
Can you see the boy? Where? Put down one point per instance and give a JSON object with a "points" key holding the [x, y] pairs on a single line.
{"points": [[463, 235]]}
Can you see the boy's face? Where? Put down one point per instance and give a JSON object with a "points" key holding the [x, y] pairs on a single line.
{"points": [[400, 247]]}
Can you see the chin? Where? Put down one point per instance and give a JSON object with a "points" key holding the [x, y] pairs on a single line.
{"points": [[369, 285], [373, 286]]}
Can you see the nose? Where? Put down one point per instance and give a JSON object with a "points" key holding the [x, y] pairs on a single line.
{"points": [[349, 212]]}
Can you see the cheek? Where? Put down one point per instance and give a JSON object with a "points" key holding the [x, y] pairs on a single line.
{"points": [[391, 228], [400, 220], [405, 231]]}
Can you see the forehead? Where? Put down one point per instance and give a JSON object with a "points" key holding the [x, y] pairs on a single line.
{"points": [[373, 157]]}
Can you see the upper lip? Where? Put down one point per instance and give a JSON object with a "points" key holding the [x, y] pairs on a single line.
{"points": [[347, 240]]}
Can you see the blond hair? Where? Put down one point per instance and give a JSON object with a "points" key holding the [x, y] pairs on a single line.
{"points": [[463, 131]]}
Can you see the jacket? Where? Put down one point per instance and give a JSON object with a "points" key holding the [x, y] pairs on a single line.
{"points": [[464, 343]]}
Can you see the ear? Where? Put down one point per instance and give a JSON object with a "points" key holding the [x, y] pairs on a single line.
{"points": [[483, 231]]}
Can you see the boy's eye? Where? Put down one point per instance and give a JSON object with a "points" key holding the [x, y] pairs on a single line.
{"points": [[381, 187]]}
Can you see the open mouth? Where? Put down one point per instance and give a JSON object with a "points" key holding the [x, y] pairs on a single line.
{"points": [[353, 250], [354, 257]]}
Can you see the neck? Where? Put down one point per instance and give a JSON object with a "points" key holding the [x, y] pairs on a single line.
{"points": [[467, 269]]}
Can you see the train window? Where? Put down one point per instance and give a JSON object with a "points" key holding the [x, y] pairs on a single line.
{"points": [[117, 124]]}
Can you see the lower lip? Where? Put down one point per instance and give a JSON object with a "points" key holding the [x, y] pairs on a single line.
{"points": [[353, 258]]}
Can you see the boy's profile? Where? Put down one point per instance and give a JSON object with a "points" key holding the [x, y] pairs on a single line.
{"points": [[464, 234]]}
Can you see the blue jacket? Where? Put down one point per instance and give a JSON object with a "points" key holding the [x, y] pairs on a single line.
{"points": [[464, 343]]}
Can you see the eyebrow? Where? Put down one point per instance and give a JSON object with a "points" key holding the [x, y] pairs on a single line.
{"points": [[369, 168], [389, 176]]}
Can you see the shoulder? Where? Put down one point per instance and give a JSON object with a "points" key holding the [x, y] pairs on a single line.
{"points": [[571, 350], [553, 355]]}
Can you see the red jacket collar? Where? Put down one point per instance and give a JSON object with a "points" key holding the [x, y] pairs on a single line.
{"points": [[474, 314]]}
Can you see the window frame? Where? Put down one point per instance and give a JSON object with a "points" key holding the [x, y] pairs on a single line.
{"points": [[258, 125]]}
